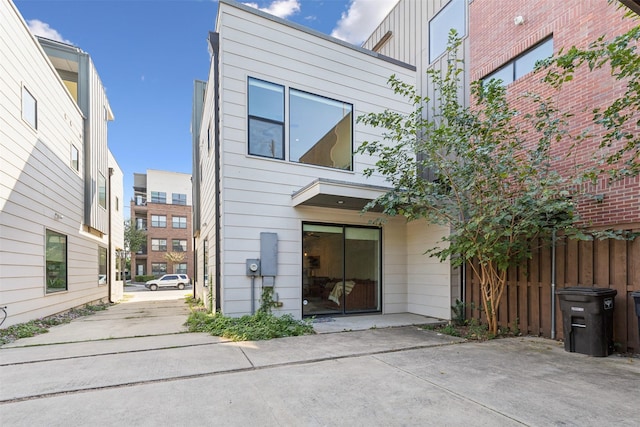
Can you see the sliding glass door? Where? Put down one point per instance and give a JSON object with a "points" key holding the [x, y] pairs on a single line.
{"points": [[340, 269]]}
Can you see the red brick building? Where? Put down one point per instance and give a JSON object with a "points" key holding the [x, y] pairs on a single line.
{"points": [[162, 207]]}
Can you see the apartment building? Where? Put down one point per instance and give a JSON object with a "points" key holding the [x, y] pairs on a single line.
{"points": [[60, 204], [162, 207]]}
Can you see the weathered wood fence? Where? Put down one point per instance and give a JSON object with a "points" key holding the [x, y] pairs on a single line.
{"points": [[526, 302]]}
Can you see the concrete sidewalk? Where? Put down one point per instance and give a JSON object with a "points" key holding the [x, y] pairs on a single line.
{"points": [[383, 376]]}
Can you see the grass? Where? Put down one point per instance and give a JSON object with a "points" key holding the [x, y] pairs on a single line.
{"points": [[41, 326], [262, 325]]}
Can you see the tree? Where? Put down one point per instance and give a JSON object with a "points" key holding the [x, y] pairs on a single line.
{"points": [[174, 258], [620, 119], [134, 239], [491, 180]]}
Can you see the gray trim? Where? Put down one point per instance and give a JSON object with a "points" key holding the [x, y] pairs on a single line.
{"points": [[315, 33]]}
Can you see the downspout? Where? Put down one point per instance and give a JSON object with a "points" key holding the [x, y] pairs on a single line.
{"points": [[109, 243], [553, 284], [214, 40]]}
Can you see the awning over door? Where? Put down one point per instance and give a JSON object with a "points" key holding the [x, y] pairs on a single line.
{"points": [[327, 193]]}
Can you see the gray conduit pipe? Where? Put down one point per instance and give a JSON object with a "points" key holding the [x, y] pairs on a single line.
{"points": [[553, 285]]}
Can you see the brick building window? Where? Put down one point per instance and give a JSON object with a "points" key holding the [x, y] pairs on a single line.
{"points": [[158, 268], [158, 220], [178, 199], [179, 245], [179, 221], [158, 197], [159, 245], [523, 63]]}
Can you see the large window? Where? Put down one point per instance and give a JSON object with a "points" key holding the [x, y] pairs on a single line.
{"points": [[158, 197], [340, 269], [56, 262], [178, 199], [158, 268], [523, 64], [179, 221], [320, 130], [158, 220], [181, 268], [452, 16], [179, 245], [102, 191], [102, 265], [29, 108], [159, 245], [266, 119]]}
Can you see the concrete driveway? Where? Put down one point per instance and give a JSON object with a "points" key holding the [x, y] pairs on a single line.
{"points": [[134, 365]]}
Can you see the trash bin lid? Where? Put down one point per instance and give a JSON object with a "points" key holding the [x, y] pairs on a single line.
{"points": [[583, 290], [635, 294]]}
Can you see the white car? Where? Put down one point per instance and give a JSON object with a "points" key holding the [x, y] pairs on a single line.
{"points": [[168, 281]]}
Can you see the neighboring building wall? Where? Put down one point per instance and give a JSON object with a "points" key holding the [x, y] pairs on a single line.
{"points": [[167, 183], [495, 40], [116, 261], [42, 187]]}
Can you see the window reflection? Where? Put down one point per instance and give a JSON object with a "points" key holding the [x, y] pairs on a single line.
{"points": [[266, 119], [320, 130]]}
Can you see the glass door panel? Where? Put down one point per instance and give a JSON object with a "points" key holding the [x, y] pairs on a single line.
{"points": [[322, 269], [362, 269]]}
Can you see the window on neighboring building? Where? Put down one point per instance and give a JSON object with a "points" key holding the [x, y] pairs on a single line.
{"points": [[205, 259], [102, 191], [178, 199], [179, 221], [75, 158], [158, 197], [158, 220], [141, 224], [320, 130], [55, 262], [209, 138], [159, 245], [181, 268], [29, 108], [102, 265], [452, 16], [117, 204], [266, 119], [522, 64], [158, 268], [179, 245]]}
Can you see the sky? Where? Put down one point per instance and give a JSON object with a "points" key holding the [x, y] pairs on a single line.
{"points": [[149, 52]]}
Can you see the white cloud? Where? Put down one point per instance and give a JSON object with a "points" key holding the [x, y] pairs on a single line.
{"points": [[362, 17], [279, 8], [42, 29]]}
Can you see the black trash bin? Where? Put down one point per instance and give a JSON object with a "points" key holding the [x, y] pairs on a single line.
{"points": [[587, 315], [636, 297]]}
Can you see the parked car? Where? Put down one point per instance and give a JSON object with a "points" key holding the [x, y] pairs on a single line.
{"points": [[168, 281]]}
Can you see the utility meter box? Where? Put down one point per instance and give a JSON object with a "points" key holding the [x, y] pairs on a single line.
{"points": [[253, 267]]}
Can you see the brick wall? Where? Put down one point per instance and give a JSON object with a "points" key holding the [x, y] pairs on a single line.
{"points": [[495, 40]]}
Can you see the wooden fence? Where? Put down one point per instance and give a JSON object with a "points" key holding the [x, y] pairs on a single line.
{"points": [[526, 302]]}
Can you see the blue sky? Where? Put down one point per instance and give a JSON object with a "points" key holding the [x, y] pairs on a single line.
{"points": [[149, 52]]}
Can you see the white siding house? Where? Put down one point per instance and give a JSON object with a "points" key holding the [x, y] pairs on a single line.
{"points": [[278, 179], [53, 151]]}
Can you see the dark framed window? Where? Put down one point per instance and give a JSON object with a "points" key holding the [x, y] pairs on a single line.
{"points": [[158, 220], [178, 199], [320, 130], [179, 245], [452, 16], [29, 108], [55, 262], [181, 268], [102, 265], [158, 268], [159, 245], [179, 221], [102, 191], [523, 63], [266, 119], [158, 197]]}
